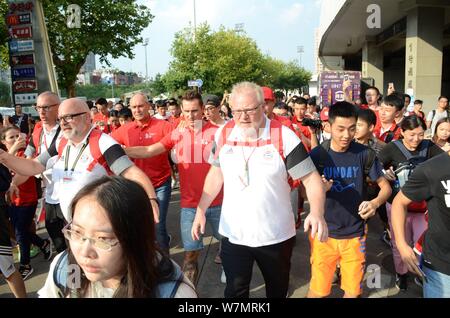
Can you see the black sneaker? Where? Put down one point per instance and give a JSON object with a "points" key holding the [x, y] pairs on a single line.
{"points": [[401, 281], [25, 271], [47, 250]]}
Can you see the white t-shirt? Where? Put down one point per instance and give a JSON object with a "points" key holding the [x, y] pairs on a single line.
{"points": [[67, 183], [256, 209], [96, 289], [436, 118]]}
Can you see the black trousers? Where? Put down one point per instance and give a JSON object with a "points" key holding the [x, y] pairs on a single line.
{"points": [[274, 261], [54, 223]]}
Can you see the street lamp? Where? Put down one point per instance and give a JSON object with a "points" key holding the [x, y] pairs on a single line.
{"points": [[195, 21], [146, 69], [300, 51], [239, 28]]}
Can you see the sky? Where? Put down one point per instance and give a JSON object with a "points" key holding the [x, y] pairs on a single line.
{"points": [[279, 27]]}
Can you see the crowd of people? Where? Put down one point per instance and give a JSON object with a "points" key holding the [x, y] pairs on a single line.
{"points": [[245, 164]]}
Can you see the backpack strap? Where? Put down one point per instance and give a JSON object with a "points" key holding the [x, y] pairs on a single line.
{"points": [[276, 137], [94, 147], [399, 144], [37, 135], [61, 146], [370, 159], [391, 134], [169, 288], [323, 153], [60, 273]]}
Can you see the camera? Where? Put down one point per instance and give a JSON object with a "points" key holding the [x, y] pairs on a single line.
{"points": [[314, 123]]}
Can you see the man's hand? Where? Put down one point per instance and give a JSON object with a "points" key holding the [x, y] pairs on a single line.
{"points": [[367, 209], [327, 183], [409, 258], [198, 227], [317, 225]]}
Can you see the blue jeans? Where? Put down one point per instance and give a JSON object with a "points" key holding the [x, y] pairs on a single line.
{"points": [[21, 218], [163, 194], [438, 285], [187, 219]]}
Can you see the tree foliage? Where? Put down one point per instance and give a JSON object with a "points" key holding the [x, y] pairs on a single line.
{"points": [[224, 58], [109, 28], [4, 57]]}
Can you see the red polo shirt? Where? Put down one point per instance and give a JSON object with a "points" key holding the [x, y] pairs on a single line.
{"points": [[192, 153], [151, 132], [175, 121], [27, 190], [285, 121], [99, 117], [382, 136]]}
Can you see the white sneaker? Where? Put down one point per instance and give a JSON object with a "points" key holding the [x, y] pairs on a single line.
{"points": [[223, 278]]}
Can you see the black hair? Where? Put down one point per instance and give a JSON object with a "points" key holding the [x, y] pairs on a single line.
{"points": [[395, 101], [412, 122], [442, 96], [342, 109], [101, 101], [368, 116], [440, 122], [132, 221], [374, 88], [312, 101], [125, 113], [192, 95], [113, 113], [281, 105], [418, 101], [301, 101], [405, 96], [90, 104]]}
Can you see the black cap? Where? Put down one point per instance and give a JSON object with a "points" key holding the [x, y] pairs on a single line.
{"points": [[211, 100]]}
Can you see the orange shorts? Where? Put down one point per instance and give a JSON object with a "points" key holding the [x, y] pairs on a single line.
{"points": [[351, 255]]}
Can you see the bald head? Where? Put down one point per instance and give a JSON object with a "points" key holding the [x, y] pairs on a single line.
{"points": [[72, 106], [140, 107], [48, 97]]}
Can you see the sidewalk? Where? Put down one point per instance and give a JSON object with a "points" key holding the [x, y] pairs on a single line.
{"points": [[209, 285]]}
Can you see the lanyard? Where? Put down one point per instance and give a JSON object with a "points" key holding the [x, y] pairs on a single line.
{"points": [[66, 161]]}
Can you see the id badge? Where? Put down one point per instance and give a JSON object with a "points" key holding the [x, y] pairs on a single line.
{"points": [[67, 178]]}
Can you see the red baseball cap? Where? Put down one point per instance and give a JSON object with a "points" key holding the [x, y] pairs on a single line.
{"points": [[324, 114], [268, 93]]}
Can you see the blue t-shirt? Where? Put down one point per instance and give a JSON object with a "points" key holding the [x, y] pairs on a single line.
{"points": [[344, 198]]}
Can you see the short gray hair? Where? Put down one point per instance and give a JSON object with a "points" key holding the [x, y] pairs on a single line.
{"points": [[246, 87]]}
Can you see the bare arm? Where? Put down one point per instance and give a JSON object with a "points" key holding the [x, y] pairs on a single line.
{"points": [[315, 192], [143, 152], [367, 209], [23, 166], [135, 174], [212, 187], [398, 218]]}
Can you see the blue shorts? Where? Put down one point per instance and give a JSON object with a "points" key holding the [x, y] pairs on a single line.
{"points": [[186, 221]]}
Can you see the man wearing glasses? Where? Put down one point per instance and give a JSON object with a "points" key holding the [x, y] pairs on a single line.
{"points": [[212, 110], [252, 159], [77, 162], [45, 134]]}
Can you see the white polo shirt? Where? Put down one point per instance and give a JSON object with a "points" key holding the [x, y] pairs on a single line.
{"points": [[256, 209], [46, 141], [71, 174]]}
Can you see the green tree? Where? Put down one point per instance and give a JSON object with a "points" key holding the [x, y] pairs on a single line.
{"points": [[109, 28], [220, 59], [5, 95], [158, 86], [4, 57]]}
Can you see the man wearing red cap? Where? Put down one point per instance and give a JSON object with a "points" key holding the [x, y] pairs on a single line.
{"points": [[269, 99]]}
